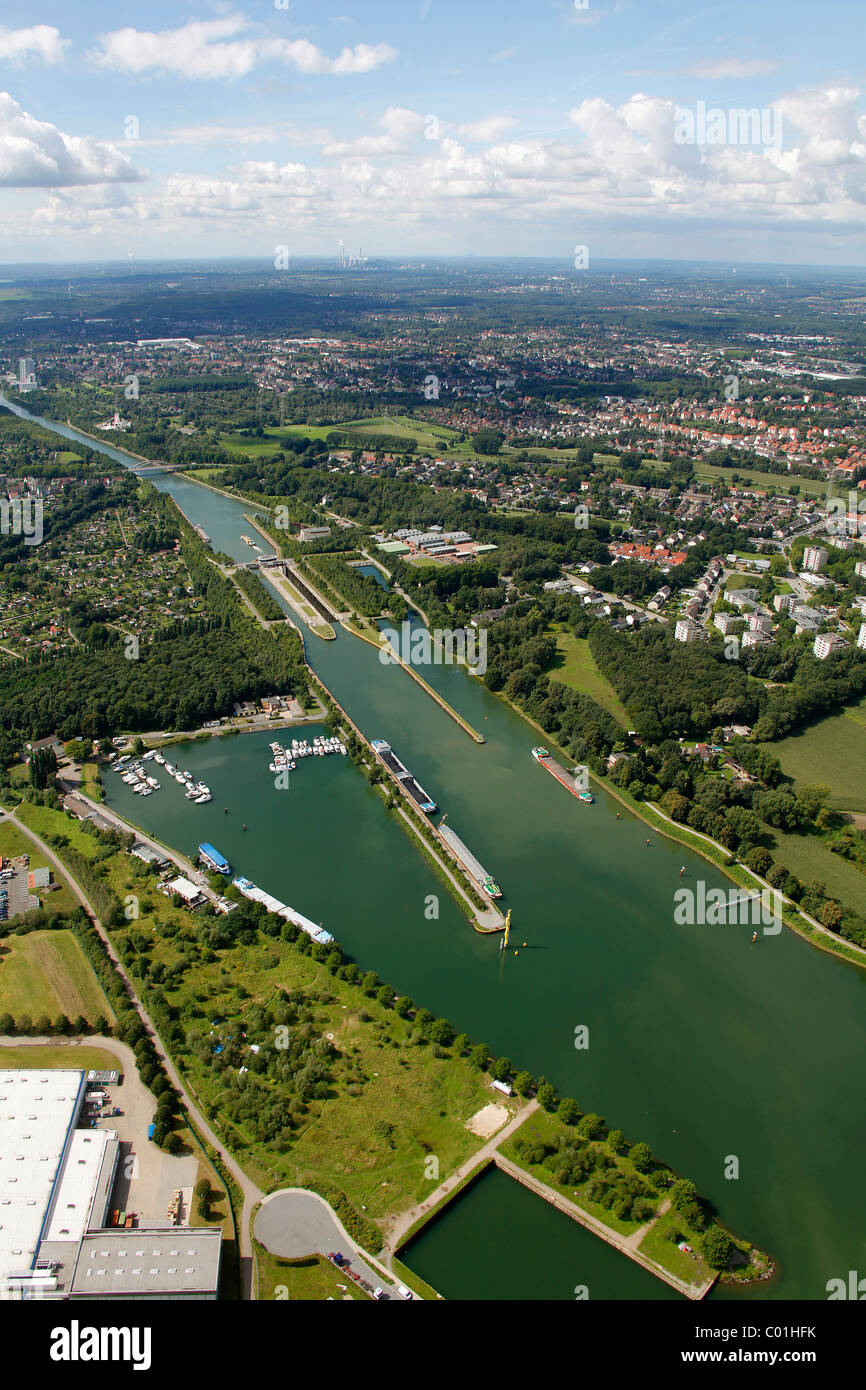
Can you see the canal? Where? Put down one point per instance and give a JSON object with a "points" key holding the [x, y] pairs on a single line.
{"points": [[700, 1043]]}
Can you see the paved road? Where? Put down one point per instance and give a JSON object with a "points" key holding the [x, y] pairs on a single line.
{"points": [[295, 1223], [251, 1193]]}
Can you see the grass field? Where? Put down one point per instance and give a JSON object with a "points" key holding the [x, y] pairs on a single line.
{"points": [[808, 857], [312, 1280], [53, 1055], [749, 477], [45, 972], [375, 1149], [577, 669], [833, 751], [422, 562], [44, 821], [12, 842]]}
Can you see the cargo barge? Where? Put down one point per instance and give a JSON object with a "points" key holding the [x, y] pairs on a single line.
{"points": [[386, 754], [213, 860], [258, 895], [201, 533], [556, 770], [474, 869]]}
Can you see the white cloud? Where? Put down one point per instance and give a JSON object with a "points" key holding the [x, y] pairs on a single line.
{"points": [[620, 166], [35, 154], [285, 131], [217, 48], [732, 67], [400, 127], [493, 128], [42, 40]]}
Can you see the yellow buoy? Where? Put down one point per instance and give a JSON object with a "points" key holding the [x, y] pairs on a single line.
{"points": [[517, 953]]}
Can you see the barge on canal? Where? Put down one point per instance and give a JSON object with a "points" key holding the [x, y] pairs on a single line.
{"points": [[386, 754], [541, 755]]}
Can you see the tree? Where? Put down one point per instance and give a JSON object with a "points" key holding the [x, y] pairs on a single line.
{"points": [[479, 1056], [760, 860], [403, 1006], [717, 1247], [830, 915], [616, 1141], [590, 1125], [641, 1156], [523, 1083], [7, 1024], [172, 1143], [441, 1032], [487, 441], [569, 1110], [546, 1096], [501, 1069], [384, 995]]}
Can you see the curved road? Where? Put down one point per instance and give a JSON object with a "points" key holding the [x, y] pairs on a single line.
{"points": [[251, 1193], [294, 1223]]}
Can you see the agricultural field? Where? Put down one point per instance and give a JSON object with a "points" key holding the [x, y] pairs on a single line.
{"points": [[832, 751], [578, 670], [45, 972]]}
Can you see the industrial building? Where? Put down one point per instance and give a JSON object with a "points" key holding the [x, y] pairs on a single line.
{"points": [[57, 1174]]}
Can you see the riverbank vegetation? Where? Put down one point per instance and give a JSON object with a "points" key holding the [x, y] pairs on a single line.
{"points": [[624, 1186], [733, 791]]}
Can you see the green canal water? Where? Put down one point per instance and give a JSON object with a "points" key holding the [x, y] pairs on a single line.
{"points": [[499, 1241], [699, 1042]]}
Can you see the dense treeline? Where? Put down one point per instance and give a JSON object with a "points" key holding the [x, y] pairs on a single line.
{"points": [[673, 687], [261, 598], [181, 679], [360, 591]]}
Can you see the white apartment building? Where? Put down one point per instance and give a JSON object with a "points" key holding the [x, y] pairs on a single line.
{"points": [[828, 642], [815, 558]]}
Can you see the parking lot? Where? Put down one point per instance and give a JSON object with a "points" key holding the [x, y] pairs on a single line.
{"points": [[147, 1178], [14, 893]]}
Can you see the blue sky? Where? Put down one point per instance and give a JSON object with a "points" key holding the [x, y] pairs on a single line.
{"points": [[486, 127]]}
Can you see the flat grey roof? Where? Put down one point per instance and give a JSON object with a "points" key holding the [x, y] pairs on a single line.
{"points": [[142, 1262]]}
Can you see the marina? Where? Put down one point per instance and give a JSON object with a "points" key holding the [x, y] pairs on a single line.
{"points": [[136, 776], [286, 759], [602, 942]]}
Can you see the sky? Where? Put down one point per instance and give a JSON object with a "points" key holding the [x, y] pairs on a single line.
{"points": [[408, 128]]}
